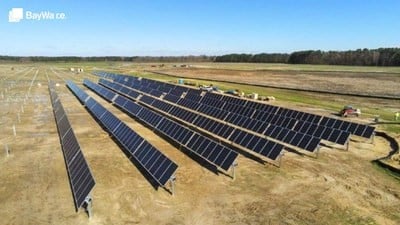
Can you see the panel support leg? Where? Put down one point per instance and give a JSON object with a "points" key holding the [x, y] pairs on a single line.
{"points": [[279, 160], [317, 152], [14, 130], [373, 138], [347, 145], [88, 206], [7, 150], [172, 183], [233, 166]]}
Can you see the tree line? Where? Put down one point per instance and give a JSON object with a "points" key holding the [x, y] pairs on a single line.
{"points": [[201, 58], [359, 57]]}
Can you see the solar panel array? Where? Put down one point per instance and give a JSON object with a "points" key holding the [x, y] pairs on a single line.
{"points": [[157, 165], [262, 111], [206, 148], [80, 176], [241, 135], [243, 117], [244, 139]]}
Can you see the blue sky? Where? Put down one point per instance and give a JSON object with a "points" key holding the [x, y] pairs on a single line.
{"points": [[211, 27]]}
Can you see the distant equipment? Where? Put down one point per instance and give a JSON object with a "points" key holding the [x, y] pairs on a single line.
{"points": [[76, 70], [348, 110]]}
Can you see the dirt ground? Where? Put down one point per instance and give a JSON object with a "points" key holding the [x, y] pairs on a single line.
{"points": [[382, 84], [338, 187]]}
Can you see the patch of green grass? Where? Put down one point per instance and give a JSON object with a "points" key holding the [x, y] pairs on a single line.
{"points": [[297, 67], [392, 128], [348, 217], [386, 171]]}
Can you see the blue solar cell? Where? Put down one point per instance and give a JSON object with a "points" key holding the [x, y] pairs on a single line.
{"points": [[70, 146], [343, 137], [170, 170], [206, 148], [334, 136], [269, 130], [227, 131], [276, 132], [313, 144], [63, 124], [281, 136], [313, 128], [352, 128], [259, 147], [268, 147], [221, 157], [156, 163], [132, 108], [326, 134], [369, 131], [246, 139], [280, 120], [296, 139], [304, 141], [275, 151], [337, 124], [229, 159], [198, 142], [360, 130], [120, 101], [253, 142], [240, 137], [290, 135], [320, 130], [259, 127]]}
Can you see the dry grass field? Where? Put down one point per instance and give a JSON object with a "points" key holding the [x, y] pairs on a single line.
{"points": [[366, 83], [338, 187]]}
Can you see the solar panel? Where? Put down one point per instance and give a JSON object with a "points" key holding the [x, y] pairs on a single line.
{"points": [[368, 132], [343, 137], [296, 139], [172, 98], [80, 177], [360, 130]]}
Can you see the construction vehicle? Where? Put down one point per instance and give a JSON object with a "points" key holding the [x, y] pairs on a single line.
{"points": [[348, 110]]}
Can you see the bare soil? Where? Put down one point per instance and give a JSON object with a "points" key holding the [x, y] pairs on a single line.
{"points": [[338, 187]]}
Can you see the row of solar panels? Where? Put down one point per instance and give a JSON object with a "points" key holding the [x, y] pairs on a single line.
{"points": [[267, 125], [80, 176], [227, 131], [206, 148], [268, 113], [254, 143], [157, 165], [252, 109]]}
